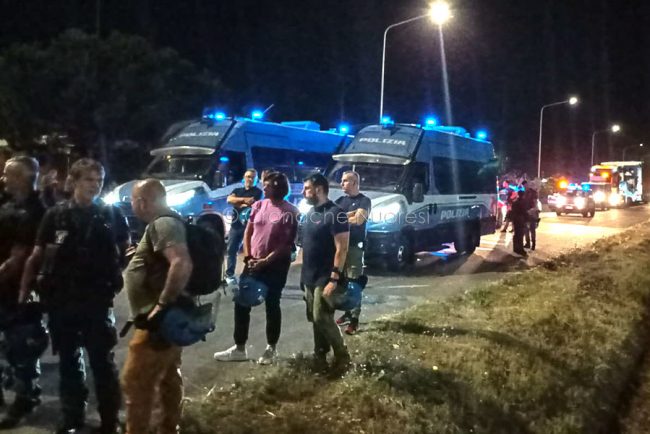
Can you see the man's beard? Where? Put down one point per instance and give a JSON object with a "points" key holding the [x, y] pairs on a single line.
{"points": [[313, 200]]}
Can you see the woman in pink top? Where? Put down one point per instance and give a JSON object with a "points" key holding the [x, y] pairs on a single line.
{"points": [[268, 241]]}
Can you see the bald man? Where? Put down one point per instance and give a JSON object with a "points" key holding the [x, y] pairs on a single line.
{"points": [[79, 255], [157, 274]]}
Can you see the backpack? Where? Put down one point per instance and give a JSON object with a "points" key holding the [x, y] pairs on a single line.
{"points": [[206, 247]]}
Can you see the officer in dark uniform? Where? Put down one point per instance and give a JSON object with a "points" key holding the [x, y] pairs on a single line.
{"points": [[5, 155], [79, 251], [19, 220]]}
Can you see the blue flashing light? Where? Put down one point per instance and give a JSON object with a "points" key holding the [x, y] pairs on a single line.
{"points": [[430, 122], [386, 120], [586, 187], [220, 116], [481, 134], [301, 163], [257, 114], [344, 128], [224, 159]]}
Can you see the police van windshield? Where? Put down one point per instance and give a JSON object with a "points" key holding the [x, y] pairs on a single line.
{"points": [[374, 176], [179, 166]]}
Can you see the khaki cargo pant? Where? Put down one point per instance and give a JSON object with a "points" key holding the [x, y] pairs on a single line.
{"points": [[326, 333], [148, 370]]}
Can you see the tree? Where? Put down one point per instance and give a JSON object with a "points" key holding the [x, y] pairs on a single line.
{"points": [[98, 91]]}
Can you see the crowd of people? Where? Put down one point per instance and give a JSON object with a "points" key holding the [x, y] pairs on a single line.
{"points": [[523, 212], [63, 263]]}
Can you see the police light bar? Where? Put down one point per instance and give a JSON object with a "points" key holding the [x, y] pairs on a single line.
{"points": [[257, 115], [386, 120]]}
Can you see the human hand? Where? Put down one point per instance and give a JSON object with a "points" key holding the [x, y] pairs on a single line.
{"points": [[329, 289], [157, 308]]}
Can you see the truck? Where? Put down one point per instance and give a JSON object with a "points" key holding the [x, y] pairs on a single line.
{"points": [[627, 181], [201, 162], [428, 186]]}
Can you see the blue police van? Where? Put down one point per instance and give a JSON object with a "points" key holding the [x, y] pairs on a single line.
{"points": [[429, 186], [201, 162]]}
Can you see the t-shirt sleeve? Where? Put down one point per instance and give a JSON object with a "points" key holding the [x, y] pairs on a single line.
{"points": [[236, 192], [45, 233], [255, 209], [167, 232], [27, 228], [340, 222], [365, 204]]}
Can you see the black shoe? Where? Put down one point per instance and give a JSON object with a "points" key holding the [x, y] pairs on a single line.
{"points": [[526, 246], [532, 247], [17, 412], [319, 363], [107, 430], [70, 427]]}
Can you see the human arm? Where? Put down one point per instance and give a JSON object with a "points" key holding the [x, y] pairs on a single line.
{"points": [[357, 217], [29, 273], [180, 269], [341, 241]]}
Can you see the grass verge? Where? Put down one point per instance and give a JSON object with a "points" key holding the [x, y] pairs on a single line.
{"points": [[549, 350]]}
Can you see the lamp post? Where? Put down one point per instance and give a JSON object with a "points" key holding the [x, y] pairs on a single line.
{"points": [[571, 101], [614, 129], [628, 147], [439, 13]]}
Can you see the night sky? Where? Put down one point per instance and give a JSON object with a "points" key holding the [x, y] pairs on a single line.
{"points": [[320, 60]]}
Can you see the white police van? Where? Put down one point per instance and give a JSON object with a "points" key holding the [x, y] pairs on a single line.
{"points": [[428, 186], [201, 162]]}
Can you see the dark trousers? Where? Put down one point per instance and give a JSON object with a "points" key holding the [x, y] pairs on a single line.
{"points": [[518, 237], [235, 238], [92, 328], [275, 279]]}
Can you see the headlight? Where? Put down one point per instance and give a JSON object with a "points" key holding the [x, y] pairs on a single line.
{"points": [[111, 197], [599, 196], [614, 199], [303, 206], [580, 202], [383, 213], [178, 199], [560, 201]]}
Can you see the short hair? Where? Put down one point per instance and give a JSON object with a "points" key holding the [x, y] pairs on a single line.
{"points": [[280, 184], [353, 173], [29, 163], [251, 170], [318, 180], [84, 165]]}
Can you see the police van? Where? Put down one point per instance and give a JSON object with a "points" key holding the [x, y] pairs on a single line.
{"points": [[429, 186], [201, 162]]}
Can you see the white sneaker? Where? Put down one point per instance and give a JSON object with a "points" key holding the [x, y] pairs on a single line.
{"points": [[232, 354], [231, 281], [269, 356]]}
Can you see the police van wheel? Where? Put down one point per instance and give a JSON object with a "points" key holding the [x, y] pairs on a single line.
{"points": [[402, 256], [470, 241], [558, 213]]}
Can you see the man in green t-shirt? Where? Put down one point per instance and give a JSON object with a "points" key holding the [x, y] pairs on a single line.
{"points": [[155, 277]]}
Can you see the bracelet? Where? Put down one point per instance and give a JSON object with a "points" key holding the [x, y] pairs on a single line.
{"points": [[161, 303], [336, 270]]}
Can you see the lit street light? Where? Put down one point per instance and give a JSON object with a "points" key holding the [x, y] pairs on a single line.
{"points": [[439, 13], [613, 129], [571, 101]]}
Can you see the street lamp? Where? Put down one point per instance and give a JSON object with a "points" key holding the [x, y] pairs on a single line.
{"points": [[571, 101], [628, 147], [439, 13], [614, 129]]}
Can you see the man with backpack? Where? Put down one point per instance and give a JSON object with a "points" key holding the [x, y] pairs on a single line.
{"points": [[155, 278], [80, 250]]}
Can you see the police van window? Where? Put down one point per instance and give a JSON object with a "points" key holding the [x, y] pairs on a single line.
{"points": [[463, 176], [232, 166], [296, 164], [420, 175]]}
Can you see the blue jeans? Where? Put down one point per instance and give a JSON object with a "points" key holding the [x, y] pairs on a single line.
{"points": [[235, 238]]}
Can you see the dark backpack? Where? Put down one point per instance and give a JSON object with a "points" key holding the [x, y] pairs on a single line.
{"points": [[206, 247]]}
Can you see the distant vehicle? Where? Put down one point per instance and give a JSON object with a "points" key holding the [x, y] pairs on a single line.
{"points": [[628, 181], [574, 200], [203, 161], [602, 193], [428, 186]]}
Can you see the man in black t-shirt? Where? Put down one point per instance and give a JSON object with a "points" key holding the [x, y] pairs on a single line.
{"points": [[357, 207], [241, 199], [80, 245], [19, 220], [325, 239]]}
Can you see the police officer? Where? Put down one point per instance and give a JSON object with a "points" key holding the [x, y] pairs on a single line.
{"points": [[19, 220], [80, 251], [241, 199], [357, 206]]}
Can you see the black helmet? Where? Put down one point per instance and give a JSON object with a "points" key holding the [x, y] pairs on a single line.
{"points": [[27, 337]]}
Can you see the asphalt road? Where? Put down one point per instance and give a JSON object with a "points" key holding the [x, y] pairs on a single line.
{"points": [[434, 276]]}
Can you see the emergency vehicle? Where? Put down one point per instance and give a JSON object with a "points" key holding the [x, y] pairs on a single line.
{"points": [[428, 186], [625, 179], [575, 199], [201, 162]]}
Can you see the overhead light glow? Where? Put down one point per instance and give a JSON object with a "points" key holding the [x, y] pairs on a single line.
{"points": [[481, 135], [440, 12], [616, 128], [257, 114], [386, 120], [344, 128], [573, 100], [431, 121]]}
